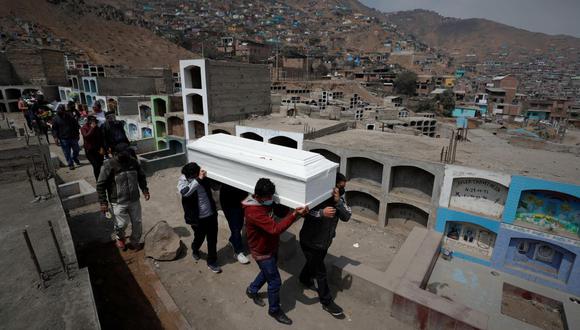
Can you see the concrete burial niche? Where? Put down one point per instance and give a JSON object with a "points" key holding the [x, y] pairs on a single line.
{"points": [[194, 104], [364, 206], [328, 155], [145, 113], [220, 131], [301, 177], [161, 128], [175, 126], [284, 141], [152, 162], [252, 136], [540, 257], [470, 239], [159, 107], [361, 168], [405, 215], [192, 77], [412, 180], [478, 195], [196, 129], [76, 194], [146, 132], [133, 131]]}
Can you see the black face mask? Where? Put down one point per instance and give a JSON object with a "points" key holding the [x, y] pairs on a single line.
{"points": [[341, 191]]}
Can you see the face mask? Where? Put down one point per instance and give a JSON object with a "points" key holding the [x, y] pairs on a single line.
{"points": [[341, 191], [268, 202]]}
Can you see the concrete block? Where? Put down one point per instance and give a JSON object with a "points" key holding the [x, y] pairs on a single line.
{"points": [[158, 160], [55, 160], [76, 194], [362, 282], [400, 263]]}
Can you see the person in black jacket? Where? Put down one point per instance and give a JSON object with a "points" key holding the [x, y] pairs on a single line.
{"points": [[65, 130], [200, 212], [114, 132], [119, 182], [316, 237], [231, 202]]}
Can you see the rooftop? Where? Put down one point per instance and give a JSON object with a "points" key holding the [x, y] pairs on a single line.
{"points": [[485, 151], [279, 122], [495, 90]]}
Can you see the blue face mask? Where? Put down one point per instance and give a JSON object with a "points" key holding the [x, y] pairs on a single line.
{"points": [[268, 202]]}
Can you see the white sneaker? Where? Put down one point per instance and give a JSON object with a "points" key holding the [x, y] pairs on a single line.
{"points": [[242, 258]]}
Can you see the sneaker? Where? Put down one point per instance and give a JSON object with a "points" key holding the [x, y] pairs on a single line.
{"points": [[242, 258], [120, 243], [78, 162], [333, 309], [255, 298], [195, 255], [71, 167], [281, 317], [215, 268]]}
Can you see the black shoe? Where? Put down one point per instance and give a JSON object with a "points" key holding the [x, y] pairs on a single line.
{"points": [[333, 309], [78, 162], [214, 268], [255, 297], [281, 317], [195, 255], [71, 167]]}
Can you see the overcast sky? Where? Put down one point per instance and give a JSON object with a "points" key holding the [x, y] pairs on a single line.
{"points": [[547, 16]]}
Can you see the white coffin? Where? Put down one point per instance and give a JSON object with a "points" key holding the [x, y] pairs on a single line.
{"points": [[301, 177]]}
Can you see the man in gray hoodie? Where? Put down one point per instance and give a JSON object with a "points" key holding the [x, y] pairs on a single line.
{"points": [[120, 179]]}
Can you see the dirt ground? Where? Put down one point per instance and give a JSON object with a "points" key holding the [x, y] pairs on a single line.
{"points": [[210, 300], [532, 308]]}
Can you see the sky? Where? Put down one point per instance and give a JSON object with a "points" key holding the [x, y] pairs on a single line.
{"points": [[547, 16]]}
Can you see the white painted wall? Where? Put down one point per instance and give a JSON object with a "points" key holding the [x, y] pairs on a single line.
{"points": [[267, 134], [463, 189], [184, 66]]}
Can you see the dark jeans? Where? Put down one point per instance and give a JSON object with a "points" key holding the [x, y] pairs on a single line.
{"points": [[235, 217], [269, 273], [206, 227], [28, 120], [70, 148], [96, 160], [315, 269]]}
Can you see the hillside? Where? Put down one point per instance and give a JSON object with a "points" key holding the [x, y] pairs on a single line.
{"points": [[479, 36], [103, 41]]}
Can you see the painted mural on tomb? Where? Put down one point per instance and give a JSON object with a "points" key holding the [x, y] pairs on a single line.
{"points": [[550, 210]]}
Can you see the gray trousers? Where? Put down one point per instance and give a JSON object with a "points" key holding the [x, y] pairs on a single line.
{"points": [[125, 213]]}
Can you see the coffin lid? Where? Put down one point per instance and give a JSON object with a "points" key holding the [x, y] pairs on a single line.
{"points": [[298, 164]]}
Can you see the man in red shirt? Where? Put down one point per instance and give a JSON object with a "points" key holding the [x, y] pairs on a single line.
{"points": [[263, 239], [93, 144]]}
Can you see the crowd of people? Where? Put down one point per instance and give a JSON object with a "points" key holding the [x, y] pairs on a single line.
{"points": [[121, 180], [67, 122]]}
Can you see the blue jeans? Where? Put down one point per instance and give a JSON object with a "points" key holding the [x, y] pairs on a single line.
{"points": [[70, 148], [235, 217], [269, 273]]}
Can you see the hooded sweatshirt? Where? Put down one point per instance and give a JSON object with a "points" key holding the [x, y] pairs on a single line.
{"points": [[262, 230]]}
